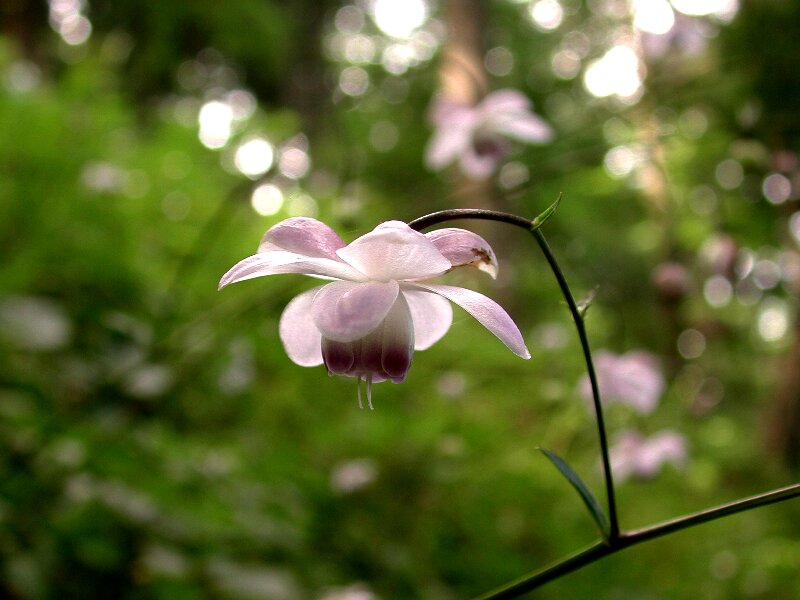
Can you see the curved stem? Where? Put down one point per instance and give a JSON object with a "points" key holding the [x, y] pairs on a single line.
{"points": [[616, 540], [533, 228]]}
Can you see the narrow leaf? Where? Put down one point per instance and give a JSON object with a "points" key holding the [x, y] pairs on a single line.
{"points": [[546, 214], [588, 498]]}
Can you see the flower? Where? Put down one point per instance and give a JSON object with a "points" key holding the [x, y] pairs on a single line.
{"points": [[632, 379], [633, 455], [478, 135], [379, 308]]}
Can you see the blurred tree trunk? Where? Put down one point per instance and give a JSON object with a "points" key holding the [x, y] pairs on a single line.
{"points": [[462, 75], [783, 421], [773, 75], [307, 89], [24, 21], [463, 78]]}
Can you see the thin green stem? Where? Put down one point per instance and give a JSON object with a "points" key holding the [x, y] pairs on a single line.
{"points": [[601, 549], [532, 227], [587, 354], [704, 516]]}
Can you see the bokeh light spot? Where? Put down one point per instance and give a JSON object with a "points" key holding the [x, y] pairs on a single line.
{"points": [[499, 61], [730, 174], [547, 15], [294, 163], [773, 320], [776, 188], [354, 81], [566, 64], [254, 157], [399, 18], [718, 291], [383, 136], [615, 73], [215, 120], [267, 199], [349, 19], [653, 16], [691, 344], [723, 9], [794, 226]]}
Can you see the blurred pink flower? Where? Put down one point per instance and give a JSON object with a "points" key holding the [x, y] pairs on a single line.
{"points": [[478, 136], [378, 309], [633, 455], [633, 379]]}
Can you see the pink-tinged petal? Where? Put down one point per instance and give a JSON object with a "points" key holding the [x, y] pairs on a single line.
{"points": [[394, 251], [526, 127], [505, 100], [301, 338], [445, 110], [344, 311], [445, 146], [279, 261], [479, 166], [488, 313], [633, 379], [302, 235], [624, 454], [462, 247], [431, 315], [671, 446], [634, 455]]}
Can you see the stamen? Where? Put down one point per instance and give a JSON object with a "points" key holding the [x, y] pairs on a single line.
{"points": [[369, 391], [358, 392]]}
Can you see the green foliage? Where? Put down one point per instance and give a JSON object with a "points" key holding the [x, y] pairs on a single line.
{"points": [[156, 442]]}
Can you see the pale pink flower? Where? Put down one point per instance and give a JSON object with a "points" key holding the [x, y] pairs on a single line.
{"points": [[633, 379], [379, 308], [633, 455], [478, 136]]}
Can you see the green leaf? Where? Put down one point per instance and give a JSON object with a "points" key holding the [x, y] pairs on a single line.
{"points": [[546, 214], [588, 498]]}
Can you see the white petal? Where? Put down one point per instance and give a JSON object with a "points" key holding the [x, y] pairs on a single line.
{"points": [[302, 235], [279, 261], [394, 251], [431, 314], [462, 247], [490, 314], [301, 338], [344, 311]]}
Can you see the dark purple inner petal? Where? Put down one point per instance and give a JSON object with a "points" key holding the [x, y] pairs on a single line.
{"points": [[487, 146], [338, 356], [396, 360]]}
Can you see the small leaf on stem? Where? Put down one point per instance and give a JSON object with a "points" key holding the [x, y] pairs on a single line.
{"points": [[546, 214], [583, 305], [586, 495]]}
